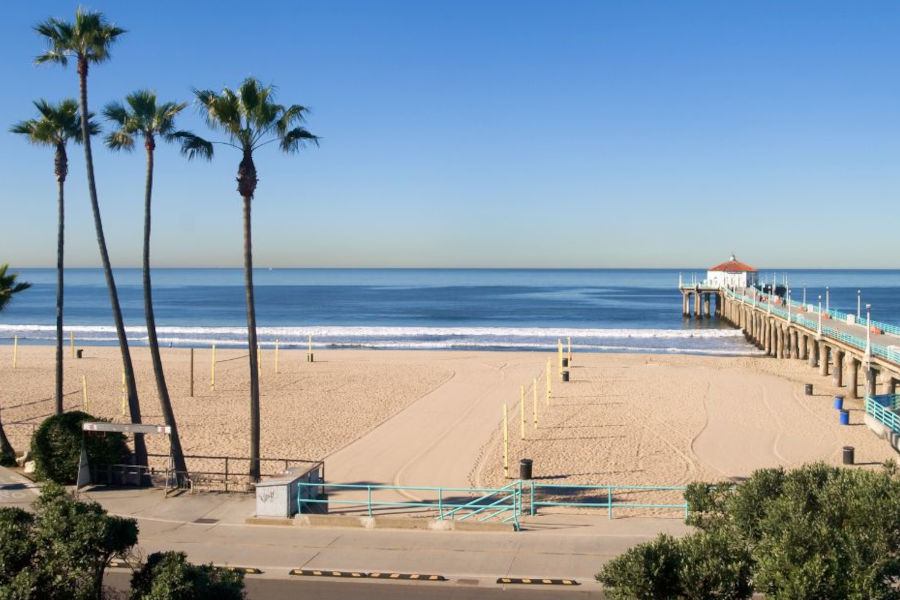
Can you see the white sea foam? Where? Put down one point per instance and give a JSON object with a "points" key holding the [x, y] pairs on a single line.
{"points": [[381, 332]]}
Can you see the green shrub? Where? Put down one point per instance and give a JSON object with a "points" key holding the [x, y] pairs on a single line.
{"points": [[56, 447], [61, 551], [168, 576], [714, 565], [648, 571]]}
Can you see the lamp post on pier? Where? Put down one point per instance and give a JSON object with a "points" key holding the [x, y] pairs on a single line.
{"points": [[819, 328], [827, 295], [868, 335], [804, 296], [858, 298], [789, 304]]}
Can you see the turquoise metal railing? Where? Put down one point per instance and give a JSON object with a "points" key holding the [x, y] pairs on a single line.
{"points": [[504, 503], [884, 409], [554, 490]]}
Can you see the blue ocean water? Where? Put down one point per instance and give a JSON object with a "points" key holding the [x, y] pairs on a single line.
{"points": [[602, 310]]}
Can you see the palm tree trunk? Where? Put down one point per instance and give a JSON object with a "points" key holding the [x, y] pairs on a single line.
{"points": [[140, 449], [61, 169], [251, 340], [7, 453], [162, 389]]}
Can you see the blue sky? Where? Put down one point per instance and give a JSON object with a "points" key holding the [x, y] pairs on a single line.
{"points": [[532, 134]]}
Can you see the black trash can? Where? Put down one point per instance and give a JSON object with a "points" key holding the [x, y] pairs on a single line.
{"points": [[565, 375], [525, 468], [849, 457], [809, 389], [565, 362], [79, 352]]}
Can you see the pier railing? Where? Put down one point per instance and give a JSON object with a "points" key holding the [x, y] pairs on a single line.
{"points": [[884, 409], [889, 353]]}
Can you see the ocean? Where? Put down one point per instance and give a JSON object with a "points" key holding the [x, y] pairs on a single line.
{"points": [[602, 310]]}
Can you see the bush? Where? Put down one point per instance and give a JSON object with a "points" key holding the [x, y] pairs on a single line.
{"points": [[168, 576], [61, 552], [56, 447], [16, 543], [648, 571], [696, 567]]}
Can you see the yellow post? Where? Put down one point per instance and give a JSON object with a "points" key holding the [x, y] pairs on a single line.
{"points": [[559, 355], [15, 351], [259, 359], [548, 383], [570, 351], [276, 356], [534, 400], [124, 395], [84, 392], [522, 411], [72, 343], [212, 370], [505, 440], [309, 345]]}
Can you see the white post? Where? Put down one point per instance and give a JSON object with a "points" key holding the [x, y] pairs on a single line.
{"points": [[819, 329], [679, 280], [789, 305], [858, 299], [868, 335], [804, 297]]}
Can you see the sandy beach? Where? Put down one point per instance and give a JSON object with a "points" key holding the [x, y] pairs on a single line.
{"points": [[434, 418]]}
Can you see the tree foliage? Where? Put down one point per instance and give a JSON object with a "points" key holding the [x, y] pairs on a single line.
{"points": [[168, 576], [62, 551], [56, 447], [816, 533]]}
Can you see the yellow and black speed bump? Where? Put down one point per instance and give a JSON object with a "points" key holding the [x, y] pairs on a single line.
{"points": [[408, 576], [324, 573], [537, 581], [244, 570]]}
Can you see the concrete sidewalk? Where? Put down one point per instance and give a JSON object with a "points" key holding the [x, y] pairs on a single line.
{"points": [[210, 528]]}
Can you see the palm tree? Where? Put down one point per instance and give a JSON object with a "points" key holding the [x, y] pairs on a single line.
{"points": [[144, 117], [250, 119], [88, 40], [57, 124], [8, 287]]}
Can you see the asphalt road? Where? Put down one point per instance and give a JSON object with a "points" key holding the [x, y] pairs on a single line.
{"points": [[330, 589]]}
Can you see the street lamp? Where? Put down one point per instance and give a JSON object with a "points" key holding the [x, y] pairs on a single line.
{"points": [[789, 304], [804, 296], [827, 295], [858, 292], [868, 334], [819, 329]]}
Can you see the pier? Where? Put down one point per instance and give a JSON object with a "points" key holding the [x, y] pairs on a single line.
{"points": [[841, 345], [835, 343], [851, 349]]}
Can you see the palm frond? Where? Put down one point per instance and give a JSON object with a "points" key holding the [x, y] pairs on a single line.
{"points": [[297, 138], [293, 114], [57, 123], [192, 146], [119, 140], [116, 112]]}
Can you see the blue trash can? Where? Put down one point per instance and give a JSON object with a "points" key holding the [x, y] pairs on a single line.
{"points": [[839, 403], [845, 417]]}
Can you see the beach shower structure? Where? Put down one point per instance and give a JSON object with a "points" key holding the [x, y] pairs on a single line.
{"points": [[729, 275]]}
